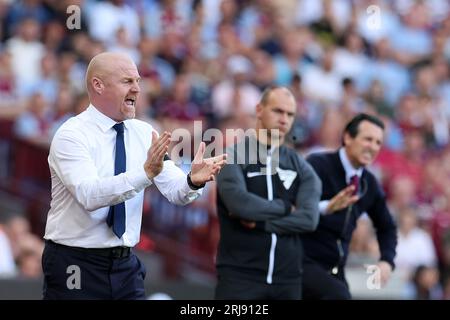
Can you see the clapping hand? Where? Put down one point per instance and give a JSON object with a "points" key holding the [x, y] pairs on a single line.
{"points": [[204, 170], [155, 155]]}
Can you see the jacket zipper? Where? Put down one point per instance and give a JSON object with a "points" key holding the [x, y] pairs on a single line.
{"points": [[274, 236]]}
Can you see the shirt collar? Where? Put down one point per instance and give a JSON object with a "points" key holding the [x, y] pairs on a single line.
{"points": [[103, 121], [348, 167]]}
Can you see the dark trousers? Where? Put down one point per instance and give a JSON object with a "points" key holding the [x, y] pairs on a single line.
{"points": [[229, 288], [320, 284], [73, 274]]}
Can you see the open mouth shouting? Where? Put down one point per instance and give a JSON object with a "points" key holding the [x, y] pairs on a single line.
{"points": [[130, 101]]}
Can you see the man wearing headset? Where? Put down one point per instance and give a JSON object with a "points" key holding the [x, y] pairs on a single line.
{"points": [[348, 190]]}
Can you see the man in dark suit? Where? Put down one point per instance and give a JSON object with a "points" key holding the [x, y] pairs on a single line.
{"points": [[348, 190]]}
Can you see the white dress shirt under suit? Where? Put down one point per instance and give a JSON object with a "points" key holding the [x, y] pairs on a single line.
{"points": [[350, 171], [81, 162]]}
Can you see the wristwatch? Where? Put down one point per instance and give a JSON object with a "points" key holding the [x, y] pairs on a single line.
{"points": [[191, 184]]}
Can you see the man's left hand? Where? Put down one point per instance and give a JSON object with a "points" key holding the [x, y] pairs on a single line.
{"points": [[204, 170], [385, 272]]}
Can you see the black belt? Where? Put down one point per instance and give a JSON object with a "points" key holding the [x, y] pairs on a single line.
{"points": [[114, 252]]}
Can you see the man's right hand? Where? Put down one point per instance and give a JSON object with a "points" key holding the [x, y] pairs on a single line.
{"points": [[342, 200], [155, 154]]}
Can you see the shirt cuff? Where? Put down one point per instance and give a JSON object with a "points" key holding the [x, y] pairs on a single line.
{"points": [[191, 195], [138, 179], [323, 206]]}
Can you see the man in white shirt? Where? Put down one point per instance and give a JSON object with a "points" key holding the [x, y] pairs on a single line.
{"points": [[100, 163]]}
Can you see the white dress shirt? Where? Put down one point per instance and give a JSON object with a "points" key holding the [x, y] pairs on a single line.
{"points": [[81, 162], [350, 171]]}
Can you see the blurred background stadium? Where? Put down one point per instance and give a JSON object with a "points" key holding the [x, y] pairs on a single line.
{"points": [[209, 60]]}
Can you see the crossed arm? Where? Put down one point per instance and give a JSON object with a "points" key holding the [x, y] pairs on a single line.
{"points": [[275, 215], [305, 216]]}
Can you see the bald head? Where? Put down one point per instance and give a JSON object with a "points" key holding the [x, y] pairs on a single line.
{"points": [[279, 90], [103, 65], [275, 113], [112, 82]]}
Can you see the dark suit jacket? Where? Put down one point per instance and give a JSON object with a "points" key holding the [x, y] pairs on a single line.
{"points": [[321, 245]]}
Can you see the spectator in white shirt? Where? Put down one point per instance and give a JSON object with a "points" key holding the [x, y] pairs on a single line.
{"points": [[415, 246], [321, 83], [96, 207], [26, 54], [236, 96], [106, 17], [7, 264]]}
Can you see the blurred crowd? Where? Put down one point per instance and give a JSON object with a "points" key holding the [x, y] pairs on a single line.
{"points": [[209, 60]]}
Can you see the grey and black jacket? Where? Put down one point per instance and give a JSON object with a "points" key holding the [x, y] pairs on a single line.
{"points": [[262, 185]]}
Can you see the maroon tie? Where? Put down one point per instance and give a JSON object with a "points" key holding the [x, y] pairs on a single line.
{"points": [[354, 181]]}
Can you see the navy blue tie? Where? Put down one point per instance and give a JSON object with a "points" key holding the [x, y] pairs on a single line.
{"points": [[116, 214]]}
